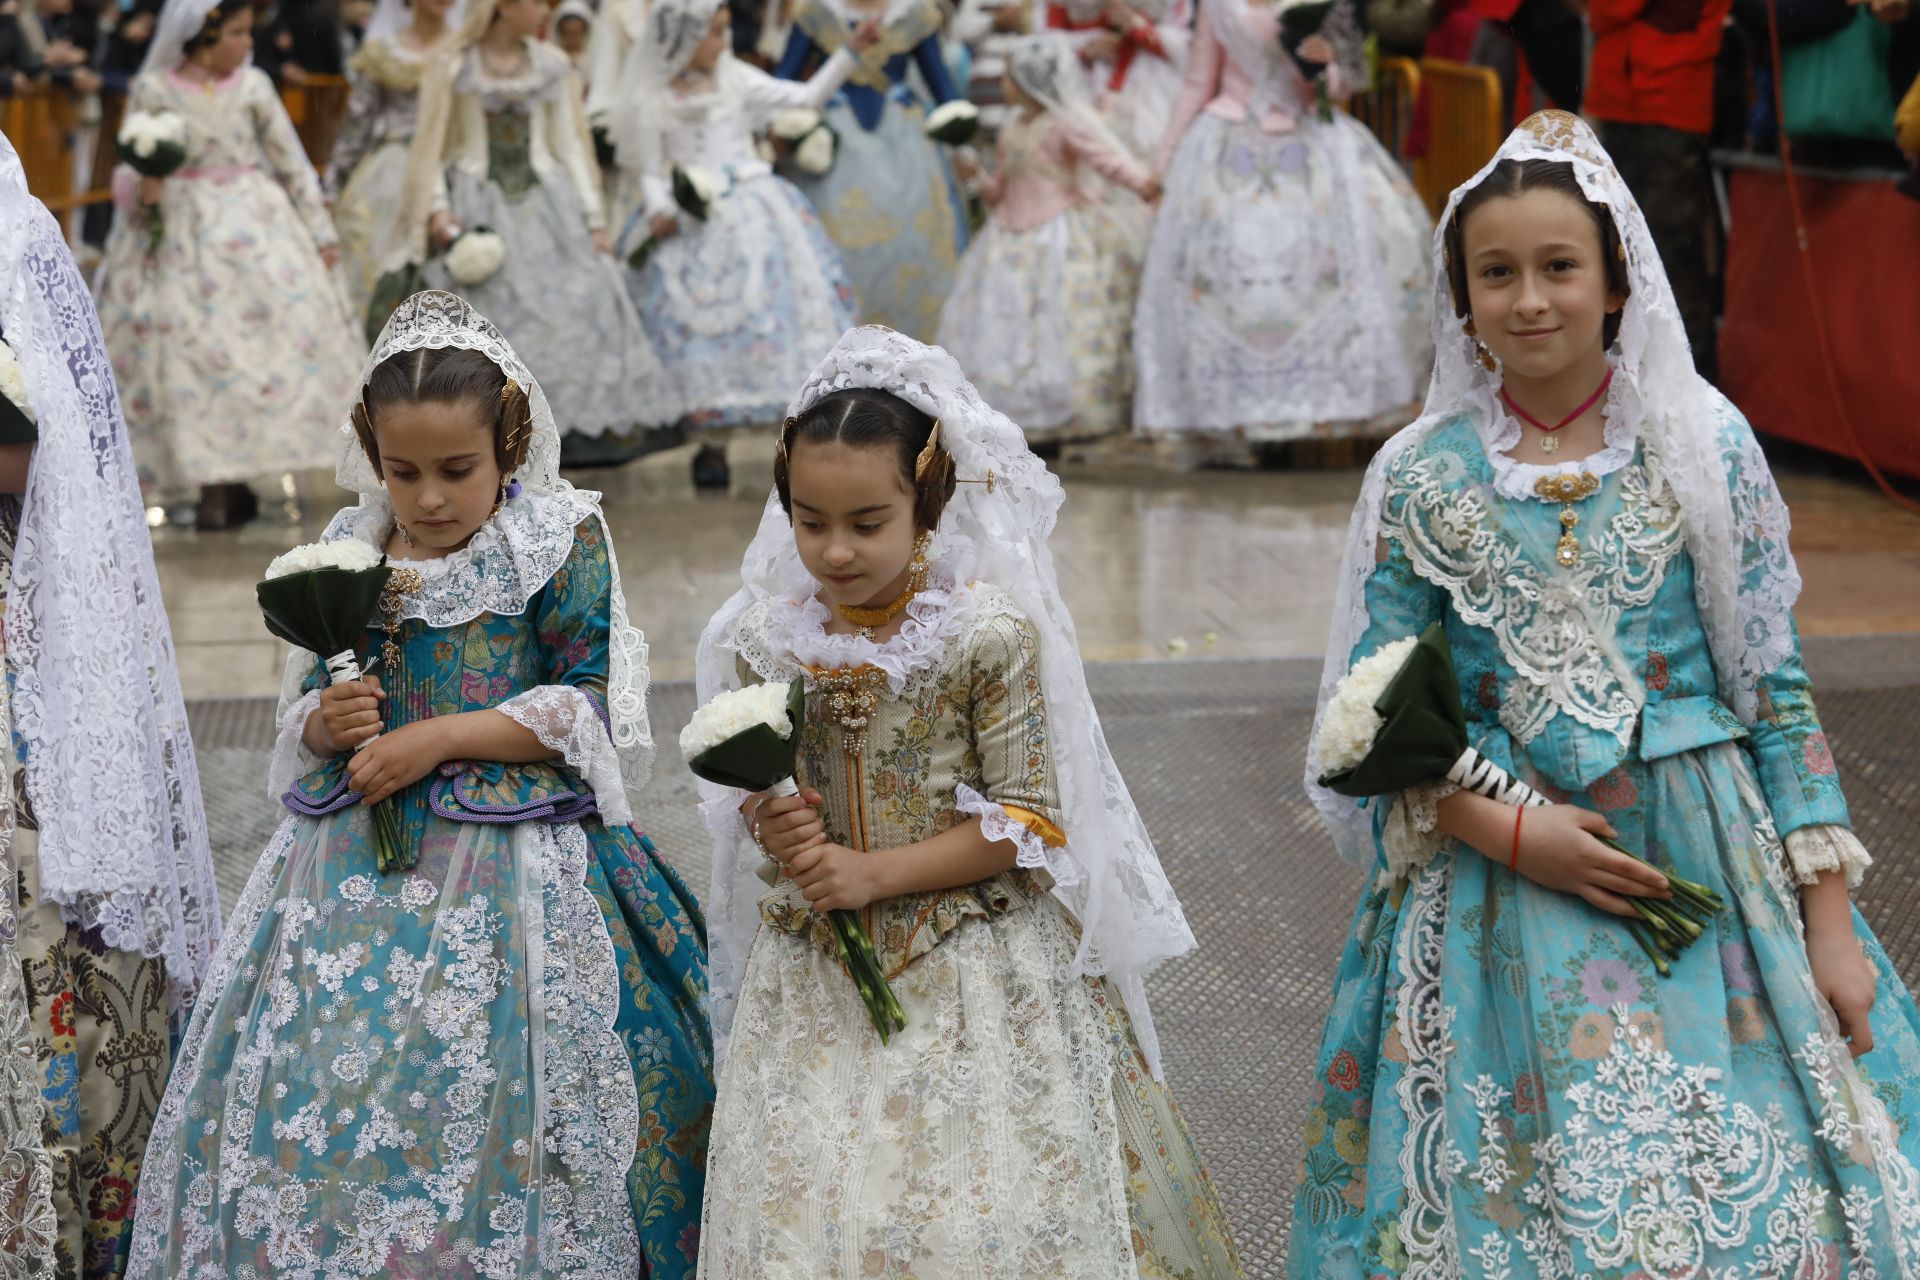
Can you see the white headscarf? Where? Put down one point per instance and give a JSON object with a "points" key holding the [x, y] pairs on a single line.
{"points": [[109, 763], [672, 31], [1048, 69], [393, 16], [180, 21], [1107, 875], [524, 543], [1734, 518]]}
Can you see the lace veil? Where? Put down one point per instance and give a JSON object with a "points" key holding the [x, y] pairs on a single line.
{"points": [[514, 554], [180, 21], [672, 31], [392, 16], [1735, 521], [109, 765], [1047, 68], [1107, 875]]}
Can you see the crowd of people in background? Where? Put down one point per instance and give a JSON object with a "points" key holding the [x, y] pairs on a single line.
{"points": [[1153, 150]]}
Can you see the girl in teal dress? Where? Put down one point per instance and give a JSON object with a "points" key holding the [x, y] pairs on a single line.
{"points": [[1506, 1087], [493, 1060]]}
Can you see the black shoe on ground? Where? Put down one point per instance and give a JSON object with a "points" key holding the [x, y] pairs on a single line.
{"points": [[710, 470]]}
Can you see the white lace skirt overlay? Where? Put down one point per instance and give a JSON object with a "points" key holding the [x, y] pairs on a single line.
{"points": [[429, 1058], [1286, 286], [981, 1144]]}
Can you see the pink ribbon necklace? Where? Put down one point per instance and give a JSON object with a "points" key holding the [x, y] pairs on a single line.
{"points": [[1549, 442]]}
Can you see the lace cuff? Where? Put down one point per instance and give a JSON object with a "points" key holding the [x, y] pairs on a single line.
{"points": [[1031, 835], [568, 720], [1412, 835], [1826, 847], [292, 760]]}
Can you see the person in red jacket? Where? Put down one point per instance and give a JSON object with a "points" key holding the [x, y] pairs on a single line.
{"points": [[1651, 88]]}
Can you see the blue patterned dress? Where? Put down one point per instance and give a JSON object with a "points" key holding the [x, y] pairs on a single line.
{"points": [[890, 201], [495, 1063], [1506, 1088]]}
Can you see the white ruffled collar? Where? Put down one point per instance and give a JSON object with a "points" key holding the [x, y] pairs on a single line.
{"points": [[1500, 432], [506, 562], [794, 628]]}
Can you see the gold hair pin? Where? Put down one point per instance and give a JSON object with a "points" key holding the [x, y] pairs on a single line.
{"points": [[925, 461]]}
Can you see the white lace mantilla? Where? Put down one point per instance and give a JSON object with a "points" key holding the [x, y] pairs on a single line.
{"points": [[1556, 627]]}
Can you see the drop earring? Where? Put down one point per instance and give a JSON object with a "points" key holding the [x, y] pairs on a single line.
{"points": [[404, 535]]}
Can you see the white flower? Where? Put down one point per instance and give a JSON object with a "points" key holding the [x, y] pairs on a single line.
{"points": [[706, 184], [347, 553], [735, 712], [952, 116], [476, 256], [795, 123], [815, 155], [143, 146], [13, 382], [765, 150], [1350, 724], [143, 131]]}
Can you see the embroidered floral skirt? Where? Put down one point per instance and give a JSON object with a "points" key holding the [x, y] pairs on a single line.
{"points": [[891, 204], [1042, 320], [496, 1064], [743, 306], [1507, 1089], [1009, 1132], [1287, 286], [98, 1029]]}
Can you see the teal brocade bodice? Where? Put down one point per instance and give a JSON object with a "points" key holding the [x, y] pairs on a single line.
{"points": [[560, 639], [1578, 670]]}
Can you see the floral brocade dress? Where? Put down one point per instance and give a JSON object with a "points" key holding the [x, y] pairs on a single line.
{"points": [[1012, 1129], [493, 1063], [1506, 1088], [232, 344]]}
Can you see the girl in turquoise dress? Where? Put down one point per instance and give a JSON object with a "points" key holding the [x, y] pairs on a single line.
{"points": [[1506, 1087], [493, 1060]]}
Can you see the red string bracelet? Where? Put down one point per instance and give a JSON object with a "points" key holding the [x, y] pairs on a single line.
{"points": [[1513, 863]]}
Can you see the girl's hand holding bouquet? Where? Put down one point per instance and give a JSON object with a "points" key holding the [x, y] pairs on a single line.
{"points": [[349, 715], [397, 759], [785, 825], [1562, 847]]}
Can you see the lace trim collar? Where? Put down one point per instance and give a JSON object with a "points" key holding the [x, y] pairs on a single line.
{"points": [[794, 630], [506, 563], [545, 69], [1500, 432]]}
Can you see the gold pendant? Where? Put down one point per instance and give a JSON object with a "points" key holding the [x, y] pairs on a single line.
{"points": [[1549, 444], [1567, 488]]}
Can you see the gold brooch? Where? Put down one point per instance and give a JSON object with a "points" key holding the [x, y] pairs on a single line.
{"points": [[1567, 488]]}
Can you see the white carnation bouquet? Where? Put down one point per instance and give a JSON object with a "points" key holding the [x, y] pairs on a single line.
{"points": [[806, 136], [476, 256], [1396, 721], [153, 144], [747, 739], [13, 383], [322, 597], [954, 123]]}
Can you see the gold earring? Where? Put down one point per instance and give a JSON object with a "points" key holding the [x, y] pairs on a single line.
{"points": [[404, 535], [1485, 357], [1467, 326], [917, 578]]}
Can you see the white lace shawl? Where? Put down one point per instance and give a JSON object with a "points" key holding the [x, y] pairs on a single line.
{"points": [[1734, 518], [109, 762], [1107, 875], [506, 563]]}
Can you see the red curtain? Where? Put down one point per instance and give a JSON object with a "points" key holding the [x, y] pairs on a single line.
{"points": [[1864, 240]]}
